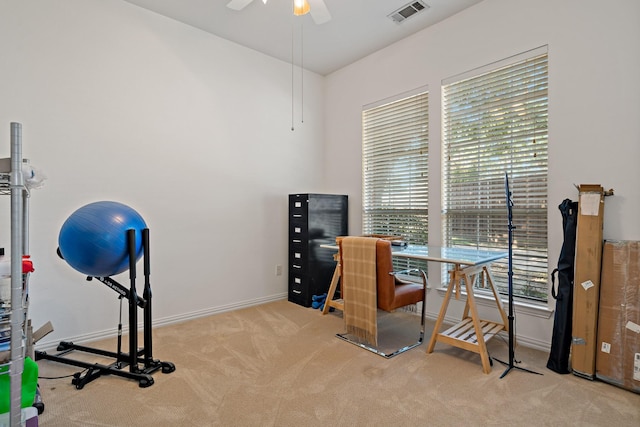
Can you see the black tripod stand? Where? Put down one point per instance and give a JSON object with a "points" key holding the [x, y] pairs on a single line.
{"points": [[511, 317]]}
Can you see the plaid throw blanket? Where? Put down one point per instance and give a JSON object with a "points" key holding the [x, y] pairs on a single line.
{"points": [[359, 287]]}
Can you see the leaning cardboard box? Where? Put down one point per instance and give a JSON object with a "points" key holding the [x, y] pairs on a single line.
{"points": [[618, 352]]}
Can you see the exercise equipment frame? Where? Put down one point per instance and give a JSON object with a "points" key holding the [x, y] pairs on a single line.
{"points": [[140, 361]]}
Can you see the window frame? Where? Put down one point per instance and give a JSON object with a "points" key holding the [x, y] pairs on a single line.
{"points": [[395, 178], [507, 96]]}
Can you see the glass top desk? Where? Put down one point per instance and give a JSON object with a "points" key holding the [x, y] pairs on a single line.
{"points": [[471, 333]]}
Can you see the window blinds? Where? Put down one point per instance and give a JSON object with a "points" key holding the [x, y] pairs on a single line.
{"points": [[395, 175], [495, 122]]}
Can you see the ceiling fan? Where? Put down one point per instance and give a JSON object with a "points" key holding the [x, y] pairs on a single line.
{"points": [[317, 8]]}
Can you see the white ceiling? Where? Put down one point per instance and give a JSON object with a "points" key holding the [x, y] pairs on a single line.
{"points": [[357, 28]]}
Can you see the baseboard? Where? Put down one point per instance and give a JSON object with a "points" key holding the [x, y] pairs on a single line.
{"points": [[50, 345]]}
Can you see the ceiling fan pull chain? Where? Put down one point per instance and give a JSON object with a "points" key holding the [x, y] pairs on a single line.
{"points": [[301, 73], [292, 69]]}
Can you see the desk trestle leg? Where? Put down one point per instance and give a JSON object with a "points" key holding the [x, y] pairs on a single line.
{"points": [[471, 333], [333, 287]]}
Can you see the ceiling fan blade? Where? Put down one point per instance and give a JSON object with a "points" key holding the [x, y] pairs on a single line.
{"points": [[319, 11], [238, 4]]}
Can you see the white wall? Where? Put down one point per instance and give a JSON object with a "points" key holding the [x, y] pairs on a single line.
{"points": [[193, 131], [594, 108]]}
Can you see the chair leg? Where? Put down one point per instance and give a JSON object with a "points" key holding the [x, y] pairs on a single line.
{"points": [[372, 349]]}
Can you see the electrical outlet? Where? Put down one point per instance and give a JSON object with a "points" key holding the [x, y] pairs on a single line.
{"points": [[278, 270]]}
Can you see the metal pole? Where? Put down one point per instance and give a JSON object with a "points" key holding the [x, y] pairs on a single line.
{"points": [[17, 309], [148, 350], [133, 303]]}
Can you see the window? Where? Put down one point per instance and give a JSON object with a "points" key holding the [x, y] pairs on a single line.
{"points": [[495, 121], [395, 161]]}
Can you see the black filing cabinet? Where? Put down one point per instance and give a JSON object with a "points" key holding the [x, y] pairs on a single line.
{"points": [[314, 220]]}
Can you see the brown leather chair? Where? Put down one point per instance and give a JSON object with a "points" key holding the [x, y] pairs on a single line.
{"points": [[391, 292]]}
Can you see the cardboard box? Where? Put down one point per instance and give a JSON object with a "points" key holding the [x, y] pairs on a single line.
{"points": [[618, 355], [586, 287]]}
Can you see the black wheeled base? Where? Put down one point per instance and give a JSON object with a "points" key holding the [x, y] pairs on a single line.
{"points": [[95, 370], [140, 361]]}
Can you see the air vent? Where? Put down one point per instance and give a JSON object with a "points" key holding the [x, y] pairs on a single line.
{"points": [[407, 11]]}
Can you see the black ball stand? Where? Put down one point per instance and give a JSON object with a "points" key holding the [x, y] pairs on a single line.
{"points": [[139, 360]]}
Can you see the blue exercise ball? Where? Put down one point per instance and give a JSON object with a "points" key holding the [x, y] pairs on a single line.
{"points": [[93, 240]]}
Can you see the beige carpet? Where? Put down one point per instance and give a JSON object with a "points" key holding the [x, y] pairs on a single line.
{"points": [[280, 364]]}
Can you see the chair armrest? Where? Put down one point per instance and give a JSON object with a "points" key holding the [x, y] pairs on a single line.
{"points": [[423, 275], [409, 270]]}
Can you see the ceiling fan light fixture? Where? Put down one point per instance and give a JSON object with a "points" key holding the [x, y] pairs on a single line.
{"points": [[300, 7]]}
